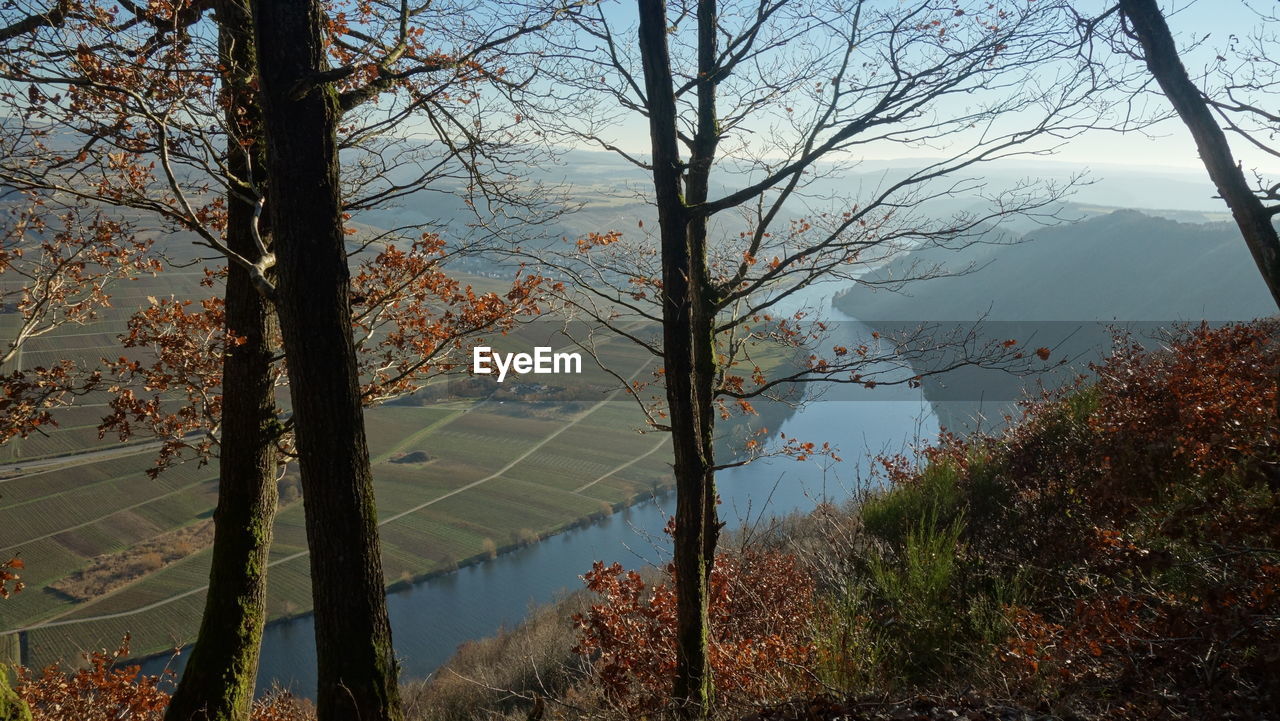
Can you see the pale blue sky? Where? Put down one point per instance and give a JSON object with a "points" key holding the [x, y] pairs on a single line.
{"points": [[1214, 21], [1167, 145]]}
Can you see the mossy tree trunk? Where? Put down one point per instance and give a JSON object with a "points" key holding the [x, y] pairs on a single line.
{"points": [[356, 664], [688, 323], [12, 707], [218, 682]]}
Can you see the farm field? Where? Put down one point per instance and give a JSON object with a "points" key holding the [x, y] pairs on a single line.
{"points": [[484, 475]]}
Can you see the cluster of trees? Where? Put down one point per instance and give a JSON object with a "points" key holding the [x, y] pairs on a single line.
{"points": [[259, 129]]}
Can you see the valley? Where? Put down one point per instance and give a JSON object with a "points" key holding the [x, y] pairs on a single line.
{"points": [[496, 476]]}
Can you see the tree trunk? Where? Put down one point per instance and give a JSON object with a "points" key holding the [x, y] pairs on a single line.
{"points": [[218, 682], [1253, 218], [356, 664], [688, 347], [12, 707]]}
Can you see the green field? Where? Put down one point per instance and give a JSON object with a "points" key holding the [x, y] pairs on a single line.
{"points": [[498, 475]]}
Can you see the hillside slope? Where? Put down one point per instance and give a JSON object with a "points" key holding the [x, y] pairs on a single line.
{"points": [[1125, 265]]}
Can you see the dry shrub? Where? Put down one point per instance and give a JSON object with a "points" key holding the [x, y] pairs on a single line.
{"points": [[280, 705], [1162, 531], [762, 607], [100, 691], [1207, 402], [1213, 645], [104, 690], [1176, 433]]}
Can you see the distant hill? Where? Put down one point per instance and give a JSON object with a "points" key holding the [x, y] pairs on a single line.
{"points": [[613, 192], [1061, 287], [1124, 265]]}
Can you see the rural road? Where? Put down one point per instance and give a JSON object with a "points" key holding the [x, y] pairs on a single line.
{"points": [[24, 469]]}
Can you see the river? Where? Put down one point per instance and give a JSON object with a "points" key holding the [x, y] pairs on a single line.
{"points": [[430, 619]]}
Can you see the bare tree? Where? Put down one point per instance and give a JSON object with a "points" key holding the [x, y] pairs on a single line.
{"points": [[755, 111]]}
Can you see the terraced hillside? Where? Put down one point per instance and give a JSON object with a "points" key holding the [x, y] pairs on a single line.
{"points": [[456, 479]]}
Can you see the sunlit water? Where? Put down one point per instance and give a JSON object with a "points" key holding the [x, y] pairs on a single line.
{"points": [[430, 619]]}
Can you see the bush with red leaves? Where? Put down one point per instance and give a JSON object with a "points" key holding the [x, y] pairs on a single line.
{"points": [[762, 608], [1137, 520], [1156, 509], [1205, 405], [104, 690], [100, 691]]}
